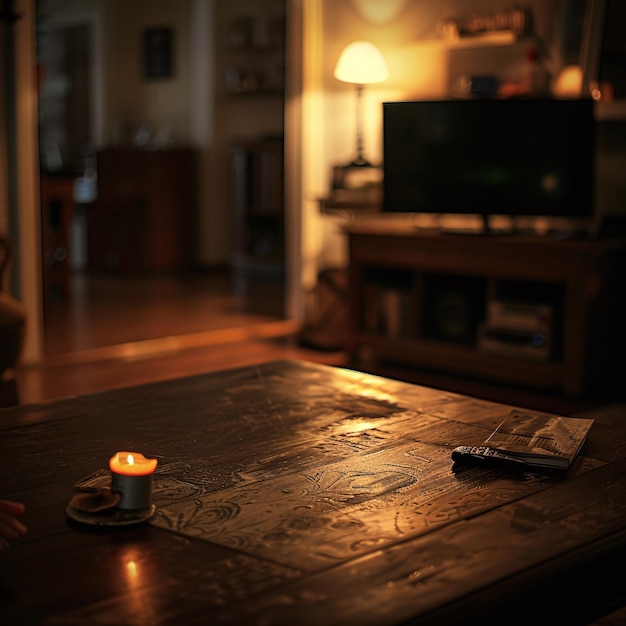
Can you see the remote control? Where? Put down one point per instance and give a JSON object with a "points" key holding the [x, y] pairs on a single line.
{"points": [[483, 456]]}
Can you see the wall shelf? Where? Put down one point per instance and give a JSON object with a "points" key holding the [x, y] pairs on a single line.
{"points": [[485, 39]]}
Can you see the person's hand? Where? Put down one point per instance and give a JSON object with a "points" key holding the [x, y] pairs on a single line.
{"points": [[11, 529]]}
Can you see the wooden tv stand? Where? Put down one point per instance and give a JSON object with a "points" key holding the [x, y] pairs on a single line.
{"points": [[419, 299]]}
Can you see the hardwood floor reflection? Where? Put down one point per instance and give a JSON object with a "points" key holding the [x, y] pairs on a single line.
{"points": [[62, 379], [107, 309], [167, 328], [119, 331]]}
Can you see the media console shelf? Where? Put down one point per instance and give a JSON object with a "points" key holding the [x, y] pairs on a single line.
{"points": [[423, 300]]}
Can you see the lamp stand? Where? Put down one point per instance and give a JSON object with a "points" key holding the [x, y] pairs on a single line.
{"points": [[360, 160]]}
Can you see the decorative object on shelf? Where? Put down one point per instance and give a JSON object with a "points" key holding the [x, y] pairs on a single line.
{"points": [[255, 56], [360, 63], [243, 80], [356, 179], [535, 77], [355, 187], [516, 19], [476, 86], [534, 81]]}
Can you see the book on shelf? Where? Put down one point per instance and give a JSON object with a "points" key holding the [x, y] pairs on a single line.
{"points": [[387, 310], [392, 311], [526, 440], [539, 439]]}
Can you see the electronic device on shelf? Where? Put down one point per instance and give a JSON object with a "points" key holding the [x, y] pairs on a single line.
{"points": [[532, 157], [517, 329]]}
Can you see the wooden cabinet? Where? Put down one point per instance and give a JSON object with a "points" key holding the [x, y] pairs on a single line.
{"points": [[423, 301], [258, 206], [145, 214]]}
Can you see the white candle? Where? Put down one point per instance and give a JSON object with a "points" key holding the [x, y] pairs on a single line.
{"points": [[131, 477]]}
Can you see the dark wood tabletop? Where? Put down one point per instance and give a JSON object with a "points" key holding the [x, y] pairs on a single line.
{"points": [[296, 493]]}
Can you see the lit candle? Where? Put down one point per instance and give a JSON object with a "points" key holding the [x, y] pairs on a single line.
{"points": [[131, 477]]}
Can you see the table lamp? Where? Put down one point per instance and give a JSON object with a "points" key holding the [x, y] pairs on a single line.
{"points": [[360, 63]]}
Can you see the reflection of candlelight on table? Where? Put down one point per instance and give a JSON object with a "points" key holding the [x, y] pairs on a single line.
{"points": [[131, 569], [140, 595], [131, 477]]}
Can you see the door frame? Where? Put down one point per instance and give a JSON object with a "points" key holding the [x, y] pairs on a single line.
{"points": [[27, 213]]}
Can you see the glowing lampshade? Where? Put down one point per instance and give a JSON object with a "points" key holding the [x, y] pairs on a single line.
{"points": [[361, 63]]}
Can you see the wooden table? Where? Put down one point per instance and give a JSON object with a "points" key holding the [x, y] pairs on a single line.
{"points": [[294, 493]]}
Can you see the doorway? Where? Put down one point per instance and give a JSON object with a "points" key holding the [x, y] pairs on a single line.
{"points": [[123, 259]]}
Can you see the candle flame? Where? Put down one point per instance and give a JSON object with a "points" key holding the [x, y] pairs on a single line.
{"points": [[132, 464]]}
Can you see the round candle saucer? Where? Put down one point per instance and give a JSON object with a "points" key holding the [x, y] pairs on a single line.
{"points": [[110, 517], [99, 508]]}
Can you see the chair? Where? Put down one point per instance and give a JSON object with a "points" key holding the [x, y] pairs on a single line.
{"points": [[12, 332]]}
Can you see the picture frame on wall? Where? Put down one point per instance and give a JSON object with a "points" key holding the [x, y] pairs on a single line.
{"points": [[158, 44]]}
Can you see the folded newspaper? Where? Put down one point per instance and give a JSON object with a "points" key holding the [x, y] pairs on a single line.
{"points": [[534, 439]]}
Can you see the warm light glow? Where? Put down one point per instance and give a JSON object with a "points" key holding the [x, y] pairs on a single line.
{"points": [[569, 82], [132, 464], [361, 63]]}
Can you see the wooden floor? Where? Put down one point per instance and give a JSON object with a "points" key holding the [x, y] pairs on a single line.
{"points": [[101, 310], [115, 331]]}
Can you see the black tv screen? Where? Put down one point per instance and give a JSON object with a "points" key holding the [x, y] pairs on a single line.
{"points": [[502, 157]]}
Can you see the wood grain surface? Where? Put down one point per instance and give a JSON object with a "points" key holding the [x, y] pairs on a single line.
{"points": [[297, 493]]}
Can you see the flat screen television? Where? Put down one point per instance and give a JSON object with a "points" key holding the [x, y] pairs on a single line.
{"points": [[530, 157]]}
